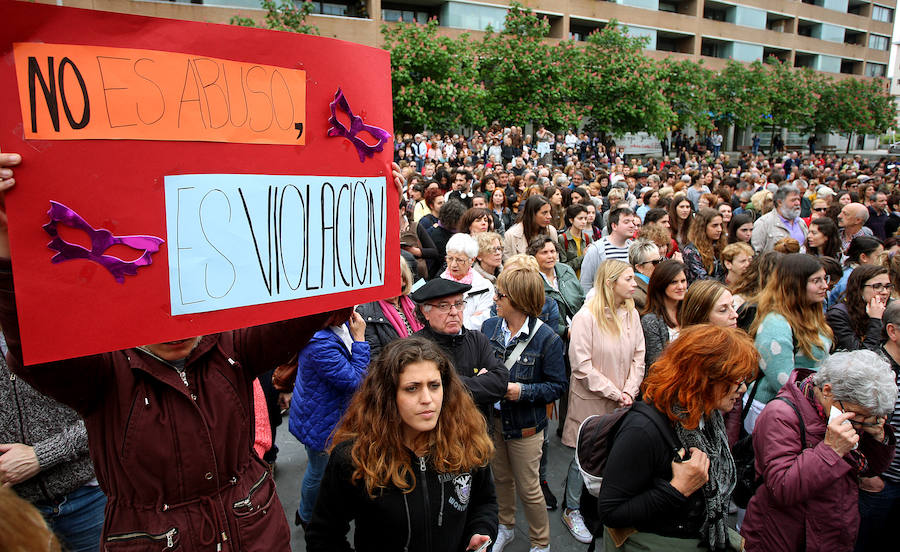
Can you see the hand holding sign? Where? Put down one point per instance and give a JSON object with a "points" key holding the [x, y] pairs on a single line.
{"points": [[7, 161]]}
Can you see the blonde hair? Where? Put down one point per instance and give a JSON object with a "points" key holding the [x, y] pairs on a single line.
{"points": [[406, 277], [22, 529], [521, 260], [485, 241], [732, 250], [524, 289], [603, 304]]}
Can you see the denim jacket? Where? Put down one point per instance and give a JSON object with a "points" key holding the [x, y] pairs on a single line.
{"points": [[539, 370]]}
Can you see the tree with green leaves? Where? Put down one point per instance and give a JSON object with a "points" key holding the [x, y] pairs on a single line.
{"points": [[853, 106], [286, 16], [616, 84], [527, 79], [793, 96], [434, 78], [740, 95], [687, 87]]}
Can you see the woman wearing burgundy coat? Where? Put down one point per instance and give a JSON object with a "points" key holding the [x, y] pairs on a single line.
{"points": [[808, 499]]}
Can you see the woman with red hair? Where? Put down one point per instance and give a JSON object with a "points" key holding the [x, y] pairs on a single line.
{"points": [[655, 497]]}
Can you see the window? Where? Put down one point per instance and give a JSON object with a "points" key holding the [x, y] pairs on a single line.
{"points": [[406, 16], [880, 13], [878, 42], [875, 69]]}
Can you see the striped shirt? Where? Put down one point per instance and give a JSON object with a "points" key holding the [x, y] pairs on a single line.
{"points": [[610, 251], [893, 472]]}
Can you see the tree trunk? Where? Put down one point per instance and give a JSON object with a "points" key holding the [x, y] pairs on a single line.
{"points": [[772, 141], [849, 139]]}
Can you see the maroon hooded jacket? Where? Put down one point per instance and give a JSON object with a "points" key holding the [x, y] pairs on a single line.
{"points": [[175, 462], [808, 500]]}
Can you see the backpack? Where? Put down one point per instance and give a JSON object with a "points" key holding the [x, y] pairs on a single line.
{"points": [[597, 434]]}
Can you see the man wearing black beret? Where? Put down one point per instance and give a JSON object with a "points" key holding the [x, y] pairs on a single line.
{"points": [[441, 303]]}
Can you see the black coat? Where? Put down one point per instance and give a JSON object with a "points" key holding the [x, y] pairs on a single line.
{"points": [[440, 514], [379, 331], [470, 352], [845, 338]]}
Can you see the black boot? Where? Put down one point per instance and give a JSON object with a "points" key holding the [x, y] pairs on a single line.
{"points": [[549, 498]]}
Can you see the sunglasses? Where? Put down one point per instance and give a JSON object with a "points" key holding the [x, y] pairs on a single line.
{"points": [[820, 209], [655, 261]]}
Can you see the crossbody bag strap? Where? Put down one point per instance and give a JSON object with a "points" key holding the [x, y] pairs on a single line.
{"points": [[513, 357], [799, 417]]}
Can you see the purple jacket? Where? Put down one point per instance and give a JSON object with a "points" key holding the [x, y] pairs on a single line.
{"points": [[809, 498]]}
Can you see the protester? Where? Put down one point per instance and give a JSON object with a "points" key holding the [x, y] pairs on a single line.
{"points": [[22, 528], [655, 496], [680, 215], [614, 246], [852, 220], [533, 354], [702, 255], [823, 239], [559, 282], [390, 319], [574, 242], [707, 302], [450, 215], [856, 319], [812, 447], [490, 255], [462, 249], [736, 258], [862, 250], [659, 319], [534, 219], [330, 368], [783, 221], [434, 199], [474, 221], [420, 482], [643, 256], [789, 329], [740, 229], [498, 205], [607, 357]]}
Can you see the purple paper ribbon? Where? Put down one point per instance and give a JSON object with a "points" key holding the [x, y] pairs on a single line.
{"points": [[356, 126], [101, 240]]}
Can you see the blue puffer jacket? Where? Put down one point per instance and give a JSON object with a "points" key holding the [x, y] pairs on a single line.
{"points": [[327, 377]]}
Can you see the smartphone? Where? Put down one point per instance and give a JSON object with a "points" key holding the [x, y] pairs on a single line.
{"points": [[834, 413], [484, 546]]}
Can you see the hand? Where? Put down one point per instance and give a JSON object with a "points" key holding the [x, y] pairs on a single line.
{"points": [[625, 399], [839, 436], [875, 307], [7, 181], [871, 484], [399, 181], [876, 431], [677, 257], [476, 541], [357, 327], [18, 462], [513, 390], [692, 474], [284, 401]]}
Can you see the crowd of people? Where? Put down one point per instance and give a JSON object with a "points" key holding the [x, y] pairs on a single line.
{"points": [[737, 313]]}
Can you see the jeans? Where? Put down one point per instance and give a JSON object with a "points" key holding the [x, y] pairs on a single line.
{"points": [[542, 469], [312, 478], [879, 516], [77, 518], [574, 482]]}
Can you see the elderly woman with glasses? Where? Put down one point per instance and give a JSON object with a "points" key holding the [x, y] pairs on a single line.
{"points": [[462, 250], [489, 261], [812, 446]]}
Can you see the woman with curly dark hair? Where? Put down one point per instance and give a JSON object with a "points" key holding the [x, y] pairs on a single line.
{"points": [[856, 320], [823, 239], [409, 461], [707, 240]]}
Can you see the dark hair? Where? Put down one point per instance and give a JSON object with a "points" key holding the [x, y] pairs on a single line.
{"points": [[450, 214], [662, 276], [431, 194], [471, 215], [647, 195], [538, 243], [655, 214], [736, 222], [585, 194], [832, 246], [677, 227], [833, 268], [616, 215], [853, 297], [573, 211], [527, 214], [861, 245]]}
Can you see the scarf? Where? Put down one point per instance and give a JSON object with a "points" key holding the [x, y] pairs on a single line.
{"points": [[467, 279], [855, 458], [711, 438], [409, 312]]}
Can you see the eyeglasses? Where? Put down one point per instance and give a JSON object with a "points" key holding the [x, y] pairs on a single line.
{"points": [[880, 287], [856, 423], [457, 260], [498, 249], [447, 307]]}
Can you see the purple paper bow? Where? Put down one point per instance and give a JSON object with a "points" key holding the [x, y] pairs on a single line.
{"points": [[356, 126], [101, 240]]}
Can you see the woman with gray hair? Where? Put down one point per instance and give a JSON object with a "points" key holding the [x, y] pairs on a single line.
{"points": [[462, 250], [823, 432]]}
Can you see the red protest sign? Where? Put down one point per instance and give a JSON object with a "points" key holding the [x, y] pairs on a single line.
{"points": [[184, 178]]}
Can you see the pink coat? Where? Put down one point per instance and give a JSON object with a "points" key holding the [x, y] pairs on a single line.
{"points": [[603, 366], [809, 498]]}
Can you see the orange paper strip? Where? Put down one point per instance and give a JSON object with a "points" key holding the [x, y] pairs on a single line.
{"points": [[70, 92]]}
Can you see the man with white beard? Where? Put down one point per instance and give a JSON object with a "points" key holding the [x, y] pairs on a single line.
{"points": [[781, 222]]}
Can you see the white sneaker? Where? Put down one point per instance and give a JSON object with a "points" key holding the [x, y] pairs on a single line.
{"points": [[539, 549], [575, 523], [504, 535]]}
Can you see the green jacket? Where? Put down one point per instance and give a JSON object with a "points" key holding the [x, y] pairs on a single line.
{"points": [[568, 250], [568, 295]]}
